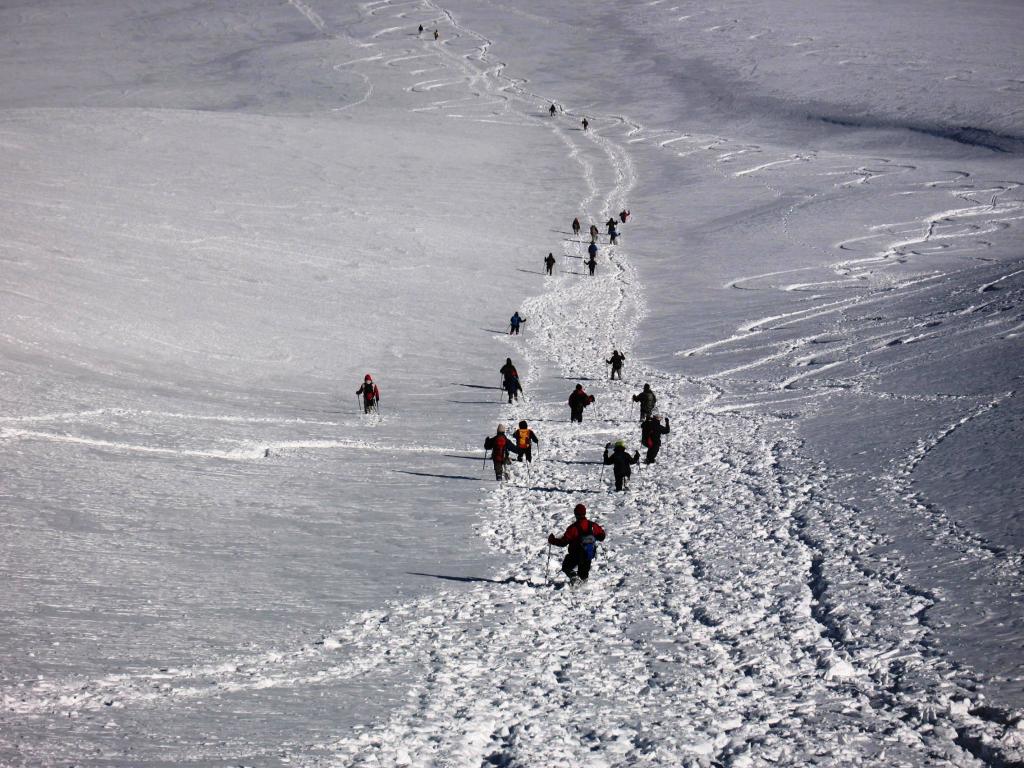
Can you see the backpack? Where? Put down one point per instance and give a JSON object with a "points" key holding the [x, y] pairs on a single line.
{"points": [[588, 542], [500, 444], [523, 438]]}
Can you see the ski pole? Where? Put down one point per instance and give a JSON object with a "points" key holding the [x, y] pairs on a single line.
{"points": [[485, 462], [547, 567]]}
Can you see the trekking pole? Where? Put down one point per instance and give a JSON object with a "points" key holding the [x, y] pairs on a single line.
{"points": [[547, 567], [485, 462]]}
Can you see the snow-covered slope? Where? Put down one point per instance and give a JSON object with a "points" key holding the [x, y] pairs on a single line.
{"points": [[822, 568]]}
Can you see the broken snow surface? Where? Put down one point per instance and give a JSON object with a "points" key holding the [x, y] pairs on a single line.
{"points": [[216, 218]]}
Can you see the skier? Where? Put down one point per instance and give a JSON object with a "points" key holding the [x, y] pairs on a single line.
{"points": [[613, 234], [581, 538], [650, 435], [522, 438], [621, 462], [609, 224], [593, 233], [616, 361], [623, 215], [499, 446], [436, 34], [514, 322], [370, 393], [647, 399], [592, 265], [576, 226], [552, 110], [510, 380], [592, 249], [578, 400], [549, 263], [585, 124]]}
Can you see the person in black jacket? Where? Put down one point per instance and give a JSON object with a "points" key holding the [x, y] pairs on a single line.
{"points": [[578, 400], [510, 380], [621, 462], [650, 435], [549, 263], [647, 399], [616, 361]]}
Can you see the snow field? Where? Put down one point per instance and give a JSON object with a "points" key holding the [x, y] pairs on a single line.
{"points": [[743, 611]]}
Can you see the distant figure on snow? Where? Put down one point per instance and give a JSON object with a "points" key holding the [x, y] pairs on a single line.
{"points": [[549, 263], [616, 361], [513, 324], [586, 124], [623, 215], [647, 399], [420, 30], [436, 34], [552, 110], [510, 379], [621, 462], [592, 250], [650, 435], [581, 538], [499, 446], [593, 233], [576, 226], [578, 400], [592, 264], [523, 439], [370, 393]]}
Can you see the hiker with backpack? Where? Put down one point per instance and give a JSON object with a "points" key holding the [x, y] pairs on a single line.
{"points": [[578, 400], [513, 324], [552, 110], [576, 225], [616, 361], [613, 234], [499, 446], [510, 380], [593, 234], [623, 215], [650, 435], [621, 463], [581, 538], [549, 263], [591, 264], [522, 439], [647, 399], [370, 393]]}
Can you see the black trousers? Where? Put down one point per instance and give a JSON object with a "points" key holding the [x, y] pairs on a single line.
{"points": [[652, 453], [576, 414], [620, 481], [616, 371], [524, 452], [576, 561], [549, 266]]}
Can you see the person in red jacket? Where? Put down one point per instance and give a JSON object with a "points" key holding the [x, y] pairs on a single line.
{"points": [[500, 448], [370, 393], [581, 538], [578, 400]]}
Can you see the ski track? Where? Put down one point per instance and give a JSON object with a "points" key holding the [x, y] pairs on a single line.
{"points": [[737, 614]]}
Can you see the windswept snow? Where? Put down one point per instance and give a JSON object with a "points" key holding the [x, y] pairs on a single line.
{"points": [[215, 221]]}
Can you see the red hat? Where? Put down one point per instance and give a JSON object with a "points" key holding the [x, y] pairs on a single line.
{"points": [[580, 511], [367, 377]]}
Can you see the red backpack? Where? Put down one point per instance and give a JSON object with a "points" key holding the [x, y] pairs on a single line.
{"points": [[500, 446]]}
